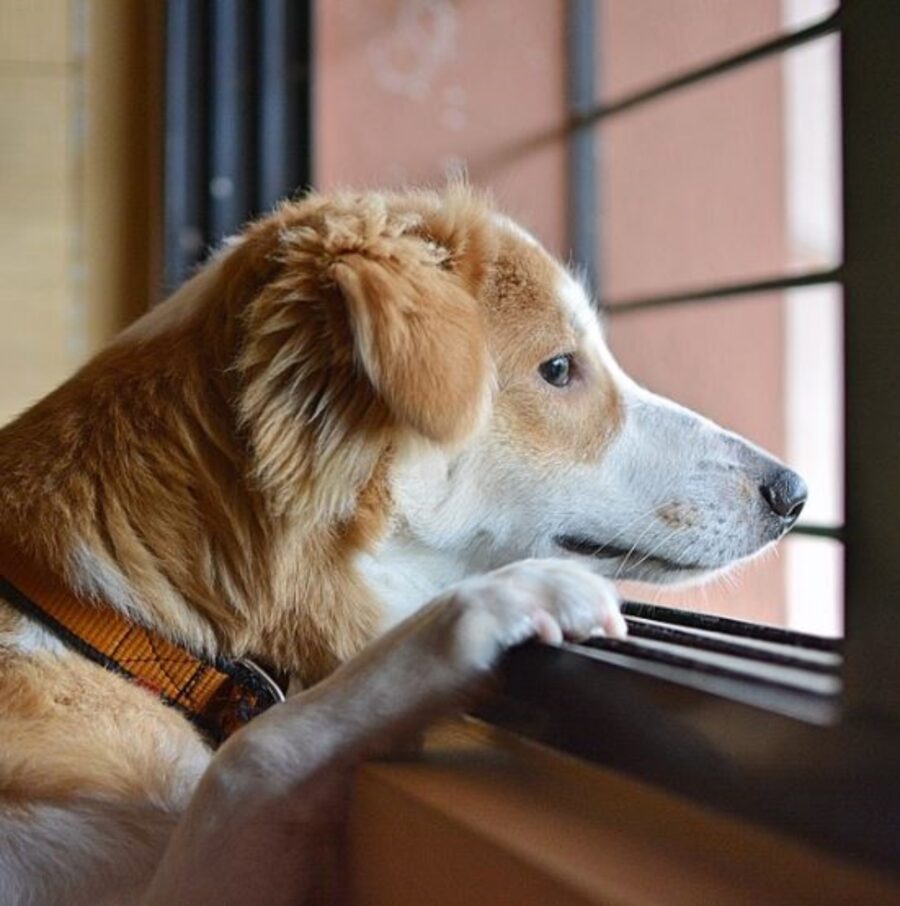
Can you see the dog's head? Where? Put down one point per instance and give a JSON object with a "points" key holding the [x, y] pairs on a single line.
{"points": [[426, 344], [523, 436]]}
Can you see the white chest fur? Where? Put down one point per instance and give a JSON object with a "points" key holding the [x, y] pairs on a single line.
{"points": [[405, 575]]}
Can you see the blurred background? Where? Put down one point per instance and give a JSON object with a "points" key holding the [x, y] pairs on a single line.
{"points": [[694, 181]]}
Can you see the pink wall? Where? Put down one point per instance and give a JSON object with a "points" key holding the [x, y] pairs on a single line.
{"points": [[407, 91]]}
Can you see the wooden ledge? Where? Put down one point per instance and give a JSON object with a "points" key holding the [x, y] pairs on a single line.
{"points": [[481, 818]]}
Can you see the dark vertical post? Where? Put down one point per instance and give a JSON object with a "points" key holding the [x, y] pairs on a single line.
{"points": [[185, 145], [871, 111], [232, 140], [238, 118], [582, 176], [285, 99]]}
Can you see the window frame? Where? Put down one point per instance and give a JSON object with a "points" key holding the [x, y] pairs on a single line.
{"points": [[827, 781], [834, 782]]}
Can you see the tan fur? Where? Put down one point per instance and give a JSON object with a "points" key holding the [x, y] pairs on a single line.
{"points": [[235, 450], [676, 515]]}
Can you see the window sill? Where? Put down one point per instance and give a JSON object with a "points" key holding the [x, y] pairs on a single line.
{"points": [[742, 718], [484, 818]]}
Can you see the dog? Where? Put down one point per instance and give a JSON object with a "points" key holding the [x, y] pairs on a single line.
{"points": [[376, 441]]}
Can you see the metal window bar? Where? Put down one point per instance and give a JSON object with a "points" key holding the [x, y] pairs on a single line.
{"points": [[870, 95], [233, 145], [285, 111], [767, 48], [740, 663], [238, 101], [786, 655], [185, 227], [623, 307], [583, 163], [582, 84], [740, 629]]}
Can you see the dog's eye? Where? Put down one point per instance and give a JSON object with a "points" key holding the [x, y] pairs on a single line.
{"points": [[557, 371]]}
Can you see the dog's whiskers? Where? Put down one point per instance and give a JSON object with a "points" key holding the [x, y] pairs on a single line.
{"points": [[647, 556], [633, 548]]}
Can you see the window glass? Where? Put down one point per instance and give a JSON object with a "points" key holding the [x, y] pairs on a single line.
{"points": [[767, 366], [732, 179], [796, 585]]}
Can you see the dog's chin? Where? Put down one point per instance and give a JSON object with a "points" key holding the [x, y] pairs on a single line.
{"points": [[673, 577], [636, 566]]}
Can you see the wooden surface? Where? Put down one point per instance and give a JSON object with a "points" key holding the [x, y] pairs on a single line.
{"points": [[475, 822]]}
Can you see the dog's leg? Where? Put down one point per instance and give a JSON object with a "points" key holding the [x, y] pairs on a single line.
{"points": [[249, 831]]}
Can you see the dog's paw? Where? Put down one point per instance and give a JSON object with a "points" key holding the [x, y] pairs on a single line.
{"points": [[547, 599]]}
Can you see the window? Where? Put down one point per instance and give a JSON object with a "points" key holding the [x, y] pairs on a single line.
{"points": [[731, 181], [739, 159], [237, 119], [645, 195]]}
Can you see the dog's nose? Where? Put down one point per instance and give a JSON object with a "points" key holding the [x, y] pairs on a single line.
{"points": [[785, 492]]}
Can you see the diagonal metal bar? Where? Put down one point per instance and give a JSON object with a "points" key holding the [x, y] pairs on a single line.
{"points": [[708, 294], [718, 67], [834, 532]]}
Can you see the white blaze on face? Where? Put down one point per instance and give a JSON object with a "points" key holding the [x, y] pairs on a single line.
{"points": [[675, 496]]}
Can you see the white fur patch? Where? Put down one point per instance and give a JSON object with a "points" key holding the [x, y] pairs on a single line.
{"points": [[405, 575], [581, 313], [31, 637], [99, 579], [94, 577]]}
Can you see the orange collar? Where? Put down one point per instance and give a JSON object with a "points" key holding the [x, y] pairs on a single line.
{"points": [[218, 696]]}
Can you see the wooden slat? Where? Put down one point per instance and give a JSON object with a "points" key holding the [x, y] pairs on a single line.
{"points": [[79, 182], [120, 170]]}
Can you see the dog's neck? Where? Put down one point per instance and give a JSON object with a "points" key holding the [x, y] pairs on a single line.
{"points": [[405, 574]]}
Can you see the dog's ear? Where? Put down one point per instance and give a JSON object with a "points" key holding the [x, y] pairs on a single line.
{"points": [[357, 314], [418, 329]]}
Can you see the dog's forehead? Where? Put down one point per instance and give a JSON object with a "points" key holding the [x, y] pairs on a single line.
{"points": [[538, 293]]}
